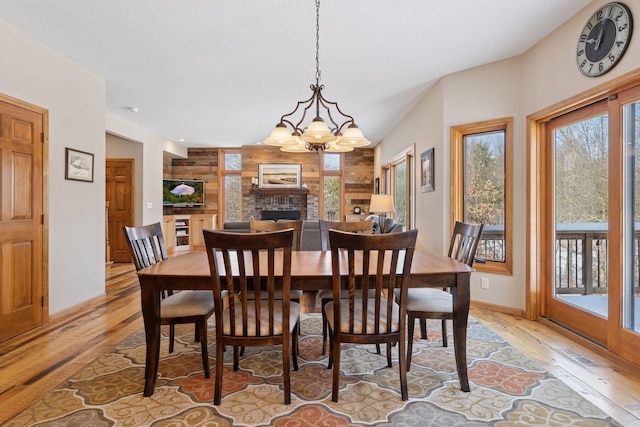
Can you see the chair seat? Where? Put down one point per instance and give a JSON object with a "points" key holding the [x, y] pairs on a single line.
{"points": [[429, 299], [328, 294], [358, 327], [294, 314], [187, 303]]}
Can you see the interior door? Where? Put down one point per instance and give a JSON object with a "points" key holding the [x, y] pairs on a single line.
{"points": [[119, 193], [22, 284]]}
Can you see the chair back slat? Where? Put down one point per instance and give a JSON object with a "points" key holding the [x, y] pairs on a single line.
{"points": [[256, 259], [257, 226], [381, 262], [464, 242], [361, 227]]}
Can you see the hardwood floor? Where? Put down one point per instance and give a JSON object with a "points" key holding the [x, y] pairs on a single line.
{"points": [[34, 363]]}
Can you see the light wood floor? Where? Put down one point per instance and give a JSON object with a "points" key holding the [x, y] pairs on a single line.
{"points": [[36, 362]]}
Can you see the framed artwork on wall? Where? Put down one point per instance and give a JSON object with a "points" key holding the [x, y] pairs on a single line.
{"points": [[78, 166], [426, 171], [279, 175]]}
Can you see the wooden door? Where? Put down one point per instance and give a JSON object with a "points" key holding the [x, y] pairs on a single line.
{"points": [[119, 193], [22, 251]]}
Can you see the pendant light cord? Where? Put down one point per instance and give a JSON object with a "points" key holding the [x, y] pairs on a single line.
{"points": [[318, 43]]}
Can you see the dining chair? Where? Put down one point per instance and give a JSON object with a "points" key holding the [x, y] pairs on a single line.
{"points": [[147, 247], [433, 303], [257, 226], [369, 262], [361, 227], [261, 319]]}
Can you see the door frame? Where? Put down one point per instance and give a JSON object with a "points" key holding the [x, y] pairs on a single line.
{"points": [[45, 195]]}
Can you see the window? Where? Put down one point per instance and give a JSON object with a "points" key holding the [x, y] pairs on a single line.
{"points": [[331, 186], [231, 188], [398, 180], [481, 188]]}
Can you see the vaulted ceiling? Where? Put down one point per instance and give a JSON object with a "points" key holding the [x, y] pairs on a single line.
{"points": [[221, 73]]}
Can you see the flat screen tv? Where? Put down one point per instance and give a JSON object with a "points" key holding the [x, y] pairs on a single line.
{"points": [[182, 192]]}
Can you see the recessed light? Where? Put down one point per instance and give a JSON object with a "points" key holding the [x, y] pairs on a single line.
{"points": [[181, 139], [133, 109]]}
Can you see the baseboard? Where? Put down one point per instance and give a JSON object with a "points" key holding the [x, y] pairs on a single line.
{"points": [[74, 309], [498, 308]]}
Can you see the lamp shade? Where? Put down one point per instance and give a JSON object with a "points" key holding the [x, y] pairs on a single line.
{"points": [[318, 131], [353, 137], [280, 136], [381, 203]]}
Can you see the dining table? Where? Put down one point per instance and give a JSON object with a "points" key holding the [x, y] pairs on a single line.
{"points": [[310, 271]]}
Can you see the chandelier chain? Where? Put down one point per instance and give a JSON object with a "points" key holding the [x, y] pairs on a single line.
{"points": [[317, 42]]}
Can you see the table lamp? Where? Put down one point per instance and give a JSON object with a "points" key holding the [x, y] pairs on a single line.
{"points": [[381, 204]]}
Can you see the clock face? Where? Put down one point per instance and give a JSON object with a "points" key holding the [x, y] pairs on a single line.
{"points": [[604, 39]]}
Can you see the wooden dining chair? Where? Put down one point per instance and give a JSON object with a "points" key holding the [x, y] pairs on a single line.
{"points": [[259, 320], [325, 296], [433, 303], [379, 263], [147, 247], [257, 226]]}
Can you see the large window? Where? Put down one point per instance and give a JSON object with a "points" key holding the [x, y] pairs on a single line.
{"points": [[331, 186], [481, 188], [231, 185], [398, 180]]}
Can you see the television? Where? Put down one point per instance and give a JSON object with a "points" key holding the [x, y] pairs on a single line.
{"points": [[182, 192]]}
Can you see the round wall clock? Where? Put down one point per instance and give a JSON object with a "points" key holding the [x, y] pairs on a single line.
{"points": [[604, 39], [357, 210]]}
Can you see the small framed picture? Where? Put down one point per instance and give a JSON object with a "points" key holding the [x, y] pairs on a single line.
{"points": [[426, 171], [79, 165]]}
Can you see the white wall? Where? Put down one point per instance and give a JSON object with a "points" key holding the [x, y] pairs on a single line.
{"points": [[75, 99], [516, 87]]}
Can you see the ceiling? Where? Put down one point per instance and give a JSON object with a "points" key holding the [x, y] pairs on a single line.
{"points": [[221, 73]]}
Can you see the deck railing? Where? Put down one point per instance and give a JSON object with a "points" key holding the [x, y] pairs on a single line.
{"points": [[580, 254]]}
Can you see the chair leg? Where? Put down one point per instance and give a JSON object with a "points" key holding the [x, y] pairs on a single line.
{"points": [[202, 329], [335, 353], [294, 346], [196, 335], [236, 358], [410, 327], [330, 362], [402, 367], [388, 354], [423, 328], [217, 394], [325, 326], [286, 369], [444, 333], [172, 336]]}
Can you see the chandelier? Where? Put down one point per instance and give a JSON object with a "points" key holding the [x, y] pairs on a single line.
{"points": [[290, 136]]}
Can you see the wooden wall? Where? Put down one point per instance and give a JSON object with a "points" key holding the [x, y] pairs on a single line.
{"points": [[202, 163]]}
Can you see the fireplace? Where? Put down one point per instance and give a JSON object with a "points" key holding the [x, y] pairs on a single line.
{"points": [[275, 215]]}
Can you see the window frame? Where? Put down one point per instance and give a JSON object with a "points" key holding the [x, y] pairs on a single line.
{"points": [[325, 173], [457, 185]]}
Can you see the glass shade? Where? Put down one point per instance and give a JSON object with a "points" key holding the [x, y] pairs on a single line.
{"points": [[318, 131], [280, 137], [353, 137]]}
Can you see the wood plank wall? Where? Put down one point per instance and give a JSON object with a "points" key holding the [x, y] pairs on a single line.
{"points": [[202, 163]]}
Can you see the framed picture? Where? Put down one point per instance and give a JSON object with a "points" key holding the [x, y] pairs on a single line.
{"points": [[426, 171], [279, 175], [78, 166]]}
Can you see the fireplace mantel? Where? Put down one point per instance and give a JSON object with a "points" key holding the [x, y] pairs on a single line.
{"points": [[278, 191]]}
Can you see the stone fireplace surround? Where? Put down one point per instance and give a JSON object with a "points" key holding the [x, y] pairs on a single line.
{"points": [[275, 199]]}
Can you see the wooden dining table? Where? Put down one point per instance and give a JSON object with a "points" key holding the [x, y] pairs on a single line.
{"points": [[310, 271]]}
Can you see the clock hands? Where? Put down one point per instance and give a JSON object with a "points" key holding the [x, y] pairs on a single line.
{"points": [[599, 39]]}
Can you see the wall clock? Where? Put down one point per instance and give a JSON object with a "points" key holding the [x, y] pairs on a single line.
{"points": [[604, 39]]}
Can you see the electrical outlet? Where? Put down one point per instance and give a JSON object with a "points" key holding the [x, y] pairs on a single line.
{"points": [[484, 284]]}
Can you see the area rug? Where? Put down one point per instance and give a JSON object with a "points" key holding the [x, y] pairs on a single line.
{"points": [[507, 388]]}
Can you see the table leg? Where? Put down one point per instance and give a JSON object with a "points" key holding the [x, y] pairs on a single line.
{"points": [[150, 299], [461, 297]]}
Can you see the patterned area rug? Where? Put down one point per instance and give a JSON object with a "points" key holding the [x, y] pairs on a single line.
{"points": [[506, 388]]}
